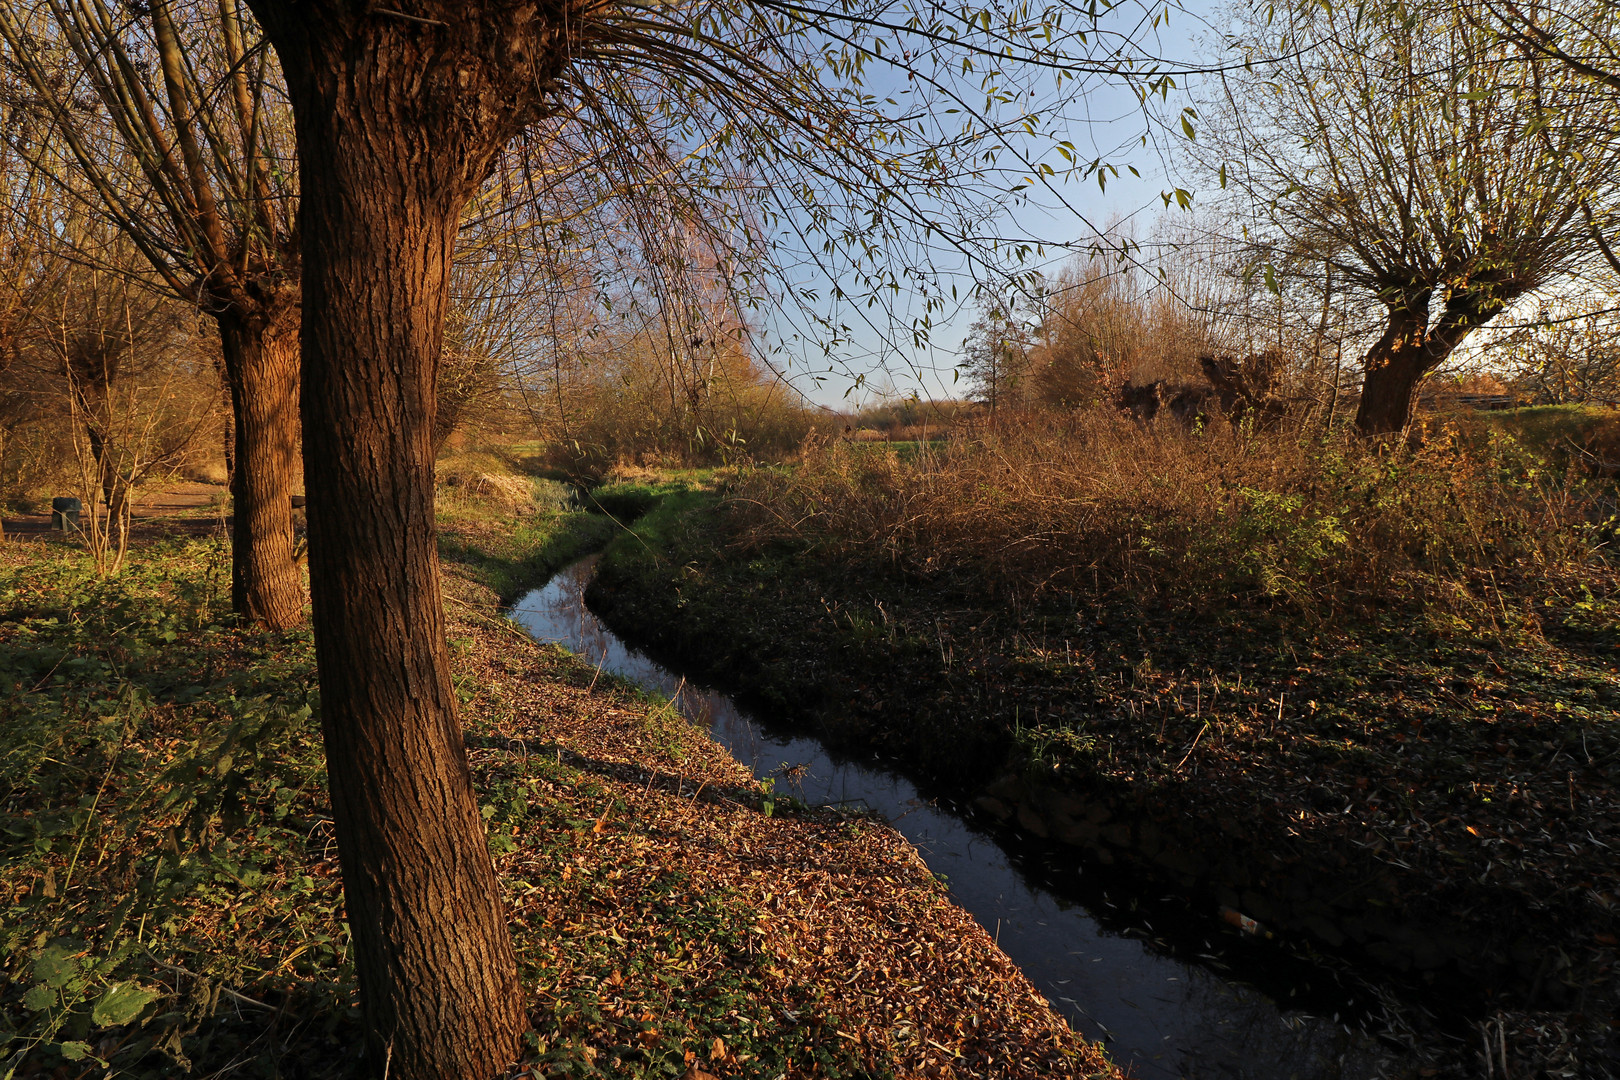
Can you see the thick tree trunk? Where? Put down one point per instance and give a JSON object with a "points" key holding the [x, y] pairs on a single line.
{"points": [[380, 206], [1387, 396], [1410, 348], [438, 978], [260, 345], [1394, 366], [399, 118]]}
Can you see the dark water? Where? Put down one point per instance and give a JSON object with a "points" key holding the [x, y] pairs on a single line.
{"points": [[1158, 1015]]}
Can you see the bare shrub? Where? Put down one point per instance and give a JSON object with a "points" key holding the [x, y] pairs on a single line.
{"points": [[129, 433], [1095, 324], [1202, 518], [627, 410], [1101, 323], [107, 387], [34, 463], [1563, 360]]}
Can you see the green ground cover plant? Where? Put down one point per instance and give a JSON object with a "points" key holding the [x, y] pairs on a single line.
{"points": [[170, 894], [165, 854]]}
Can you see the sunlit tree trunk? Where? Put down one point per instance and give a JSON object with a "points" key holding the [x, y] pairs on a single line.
{"points": [[438, 978], [1394, 366], [227, 406], [397, 125], [1411, 347], [259, 341]]}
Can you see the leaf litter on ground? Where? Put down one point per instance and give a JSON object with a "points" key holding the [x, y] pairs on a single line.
{"points": [[170, 897]]}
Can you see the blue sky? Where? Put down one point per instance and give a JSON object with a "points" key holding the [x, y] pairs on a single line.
{"points": [[1108, 123]]}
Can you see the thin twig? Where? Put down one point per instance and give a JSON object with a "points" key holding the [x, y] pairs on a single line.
{"points": [[1188, 754], [391, 13], [598, 674], [227, 991]]}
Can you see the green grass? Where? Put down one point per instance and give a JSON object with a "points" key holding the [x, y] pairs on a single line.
{"points": [[654, 529], [911, 449], [1555, 430], [512, 558], [513, 553]]}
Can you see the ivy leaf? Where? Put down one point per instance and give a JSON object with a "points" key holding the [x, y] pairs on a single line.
{"points": [[39, 998], [120, 1004], [74, 1051]]}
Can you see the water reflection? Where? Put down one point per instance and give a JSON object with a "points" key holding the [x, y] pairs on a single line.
{"points": [[1158, 1016]]}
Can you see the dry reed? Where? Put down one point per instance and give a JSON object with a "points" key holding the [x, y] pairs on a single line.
{"points": [[1097, 504]]}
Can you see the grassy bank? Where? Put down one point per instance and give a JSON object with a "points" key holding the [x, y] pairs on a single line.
{"points": [[1577, 434], [169, 897], [1399, 747]]}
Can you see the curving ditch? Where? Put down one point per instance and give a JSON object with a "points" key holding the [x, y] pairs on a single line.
{"points": [[1168, 989]]}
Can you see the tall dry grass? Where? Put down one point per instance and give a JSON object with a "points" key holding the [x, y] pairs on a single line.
{"points": [[1099, 505], [638, 405], [633, 425]]}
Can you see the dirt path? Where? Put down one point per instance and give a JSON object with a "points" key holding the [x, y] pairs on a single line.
{"points": [[175, 508]]}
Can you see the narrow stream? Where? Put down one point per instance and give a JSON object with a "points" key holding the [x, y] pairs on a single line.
{"points": [[1158, 1015]]}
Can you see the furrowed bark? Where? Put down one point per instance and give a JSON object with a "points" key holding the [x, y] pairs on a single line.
{"points": [[398, 121], [1394, 366], [438, 978], [259, 342], [399, 117]]}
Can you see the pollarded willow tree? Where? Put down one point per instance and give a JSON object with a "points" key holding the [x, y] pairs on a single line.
{"points": [[164, 122], [403, 114], [1428, 162]]}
